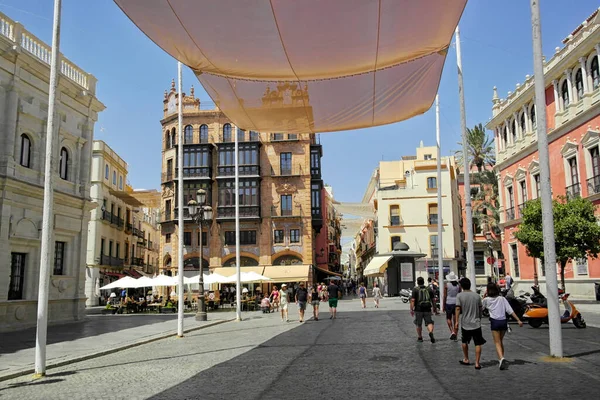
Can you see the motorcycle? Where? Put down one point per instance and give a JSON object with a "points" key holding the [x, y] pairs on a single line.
{"points": [[405, 295], [537, 314]]}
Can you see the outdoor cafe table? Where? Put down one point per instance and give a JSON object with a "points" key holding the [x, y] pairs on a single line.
{"points": [[155, 305]]}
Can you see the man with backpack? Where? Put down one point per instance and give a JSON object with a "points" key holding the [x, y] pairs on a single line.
{"points": [[421, 307]]}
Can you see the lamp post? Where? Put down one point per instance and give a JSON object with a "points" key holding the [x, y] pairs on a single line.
{"points": [[200, 212]]}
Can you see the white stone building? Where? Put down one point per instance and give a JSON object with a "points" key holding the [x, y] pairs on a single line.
{"points": [[24, 77]]}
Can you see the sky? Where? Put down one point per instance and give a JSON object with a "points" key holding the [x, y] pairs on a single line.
{"points": [[133, 74]]}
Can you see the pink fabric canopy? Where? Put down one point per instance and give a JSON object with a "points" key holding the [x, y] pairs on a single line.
{"points": [[307, 65]]}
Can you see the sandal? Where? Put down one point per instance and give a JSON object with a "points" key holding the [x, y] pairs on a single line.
{"points": [[478, 367], [462, 362]]}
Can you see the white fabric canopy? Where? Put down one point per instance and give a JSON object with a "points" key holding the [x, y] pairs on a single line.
{"points": [[144, 281], [124, 283], [310, 65], [365, 210], [208, 279], [377, 265], [164, 280]]}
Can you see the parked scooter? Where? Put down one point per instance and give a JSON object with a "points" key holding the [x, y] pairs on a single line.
{"points": [[537, 314], [405, 295]]}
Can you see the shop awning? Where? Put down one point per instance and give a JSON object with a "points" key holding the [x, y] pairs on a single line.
{"points": [[311, 65], [377, 265], [328, 272], [230, 271], [113, 274], [287, 273]]}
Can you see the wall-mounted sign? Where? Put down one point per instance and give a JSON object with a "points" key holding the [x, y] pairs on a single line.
{"points": [[406, 272]]}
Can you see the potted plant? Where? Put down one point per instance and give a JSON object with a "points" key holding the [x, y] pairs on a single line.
{"points": [[168, 308], [109, 309]]}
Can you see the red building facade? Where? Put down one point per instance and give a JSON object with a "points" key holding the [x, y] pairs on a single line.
{"points": [[572, 79]]}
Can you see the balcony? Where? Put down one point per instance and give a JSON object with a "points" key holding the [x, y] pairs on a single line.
{"points": [[128, 227], [593, 185], [287, 171], [111, 261], [573, 191], [395, 220], [107, 216], [432, 219], [283, 137], [228, 212], [195, 172], [278, 212], [186, 214], [167, 177], [137, 261], [244, 137], [244, 170], [510, 214]]}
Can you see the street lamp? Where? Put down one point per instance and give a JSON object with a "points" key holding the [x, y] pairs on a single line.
{"points": [[201, 213]]}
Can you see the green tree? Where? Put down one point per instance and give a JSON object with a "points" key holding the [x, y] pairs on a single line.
{"points": [[480, 148], [576, 230]]}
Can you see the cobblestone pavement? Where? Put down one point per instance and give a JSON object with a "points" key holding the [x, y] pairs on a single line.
{"points": [[370, 352], [96, 334]]}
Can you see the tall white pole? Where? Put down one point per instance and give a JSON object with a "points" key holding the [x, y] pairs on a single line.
{"points": [[467, 172], [554, 323], [439, 201], [238, 284], [47, 249], [180, 222]]}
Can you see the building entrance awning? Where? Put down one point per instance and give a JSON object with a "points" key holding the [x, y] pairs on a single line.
{"points": [[230, 271], [377, 265], [328, 272], [288, 273]]}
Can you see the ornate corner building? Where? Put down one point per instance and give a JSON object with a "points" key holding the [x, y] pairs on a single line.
{"points": [[572, 78], [24, 77], [280, 190]]}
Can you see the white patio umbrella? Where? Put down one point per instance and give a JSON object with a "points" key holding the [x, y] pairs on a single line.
{"points": [[125, 282], [145, 281], [254, 277], [164, 280]]}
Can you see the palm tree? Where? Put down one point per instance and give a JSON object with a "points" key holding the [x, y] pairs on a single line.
{"points": [[480, 148]]}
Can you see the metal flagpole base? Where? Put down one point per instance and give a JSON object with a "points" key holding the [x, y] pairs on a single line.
{"points": [[201, 316]]}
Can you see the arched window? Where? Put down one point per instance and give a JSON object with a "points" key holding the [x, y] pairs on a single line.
{"points": [[173, 138], [188, 134], [505, 136], [114, 177], [595, 71], [203, 133], [241, 135], [513, 129], [63, 170], [579, 84], [25, 159], [227, 133], [533, 117], [168, 139], [522, 123], [106, 172], [564, 91], [120, 182], [253, 136]]}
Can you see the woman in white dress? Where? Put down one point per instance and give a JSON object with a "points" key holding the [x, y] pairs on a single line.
{"points": [[376, 294]]}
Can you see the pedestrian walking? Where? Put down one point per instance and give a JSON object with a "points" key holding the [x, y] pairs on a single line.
{"points": [[315, 301], [499, 307], [421, 307], [301, 299], [508, 281], [362, 292], [333, 295], [275, 298], [451, 290], [468, 312], [283, 302], [376, 294]]}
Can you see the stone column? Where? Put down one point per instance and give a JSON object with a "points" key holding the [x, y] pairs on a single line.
{"points": [[557, 99], [10, 126], [584, 77], [568, 74], [78, 170]]}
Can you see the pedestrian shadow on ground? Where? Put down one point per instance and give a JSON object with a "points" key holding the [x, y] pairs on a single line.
{"points": [[582, 354], [510, 363], [43, 381]]}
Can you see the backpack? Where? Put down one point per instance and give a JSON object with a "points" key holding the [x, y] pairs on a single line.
{"points": [[424, 299]]}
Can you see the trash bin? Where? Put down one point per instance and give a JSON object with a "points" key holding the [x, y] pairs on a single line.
{"points": [[597, 291]]}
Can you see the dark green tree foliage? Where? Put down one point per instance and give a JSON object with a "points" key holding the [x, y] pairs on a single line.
{"points": [[576, 230]]}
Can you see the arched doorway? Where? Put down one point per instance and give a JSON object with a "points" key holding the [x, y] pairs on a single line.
{"points": [[245, 261], [287, 259], [193, 263]]}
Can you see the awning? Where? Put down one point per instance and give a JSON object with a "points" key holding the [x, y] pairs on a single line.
{"points": [[287, 273], [113, 274], [328, 272], [230, 271], [377, 265], [307, 66], [126, 197]]}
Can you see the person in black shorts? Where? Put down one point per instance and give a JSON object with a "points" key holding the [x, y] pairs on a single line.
{"points": [[468, 311], [421, 307], [301, 299]]}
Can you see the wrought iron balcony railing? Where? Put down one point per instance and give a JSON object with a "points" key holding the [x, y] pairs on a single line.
{"points": [[573, 190], [593, 185], [510, 214]]}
